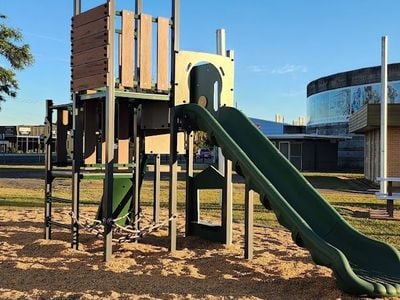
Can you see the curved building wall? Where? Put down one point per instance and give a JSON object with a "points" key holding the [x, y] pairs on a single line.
{"points": [[336, 106], [331, 100]]}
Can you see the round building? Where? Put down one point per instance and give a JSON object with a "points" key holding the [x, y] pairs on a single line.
{"points": [[331, 100]]}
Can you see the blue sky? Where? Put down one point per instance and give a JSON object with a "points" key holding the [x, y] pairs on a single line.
{"points": [[279, 46]]}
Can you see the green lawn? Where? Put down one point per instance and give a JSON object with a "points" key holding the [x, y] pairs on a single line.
{"points": [[341, 190]]}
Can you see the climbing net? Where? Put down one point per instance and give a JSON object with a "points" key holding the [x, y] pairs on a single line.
{"points": [[128, 233]]}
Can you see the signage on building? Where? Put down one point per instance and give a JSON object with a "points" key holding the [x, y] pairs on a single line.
{"points": [[24, 130], [8, 131]]}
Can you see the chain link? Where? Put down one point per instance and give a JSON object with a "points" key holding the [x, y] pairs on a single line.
{"points": [[131, 234]]}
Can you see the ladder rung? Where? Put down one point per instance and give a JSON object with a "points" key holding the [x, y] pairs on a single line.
{"points": [[59, 200], [54, 223]]}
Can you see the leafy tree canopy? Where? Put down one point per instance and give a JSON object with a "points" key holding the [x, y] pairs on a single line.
{"points": [[16, 53]]}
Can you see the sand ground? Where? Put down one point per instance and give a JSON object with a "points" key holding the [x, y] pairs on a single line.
{"points": [[33, 268]]}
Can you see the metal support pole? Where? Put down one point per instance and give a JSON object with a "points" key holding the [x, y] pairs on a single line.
{"points": [[384, 78], [248, 222], [77, 157], [227, 203], [389, 202], [77, 7], [221, 50], [136, 168], [49, 166], [221, 42], [173, 185], [138, 11], [156, 192], [189, 176], [109, 149], [176, 25], [172, 203], [77, 137]]}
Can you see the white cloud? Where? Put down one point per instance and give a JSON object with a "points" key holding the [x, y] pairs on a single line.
{"points": [[286, 69], [289, 69], [258, 69]]}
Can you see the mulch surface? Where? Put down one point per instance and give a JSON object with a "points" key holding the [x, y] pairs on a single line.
{"points": [[34, 268]]}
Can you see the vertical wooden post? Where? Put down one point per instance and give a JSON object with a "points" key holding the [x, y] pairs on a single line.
{"points": [[49, 167], [249, 215], [156, 194], [109, 149], [227, 205]]}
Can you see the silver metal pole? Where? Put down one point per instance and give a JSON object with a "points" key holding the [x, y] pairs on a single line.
{"points": [[221, 42], [173, 164], [384, 79], [49, 167], [77, 7], [221, 50], [138, 11], [248, 223], [109, 151]]}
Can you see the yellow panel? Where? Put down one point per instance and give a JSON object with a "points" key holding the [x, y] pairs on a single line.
{"points": [[186, 60], [159, 144], [123, 133]]}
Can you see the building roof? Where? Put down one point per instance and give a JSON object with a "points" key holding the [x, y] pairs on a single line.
{"points": [[308, 137], [268, 127], [369, 118], [352, 78]]}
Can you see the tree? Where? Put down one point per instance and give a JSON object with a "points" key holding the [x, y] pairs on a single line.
{"points": [[17, 54]]}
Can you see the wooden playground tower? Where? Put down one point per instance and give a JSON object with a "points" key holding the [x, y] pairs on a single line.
{"points": [[122, 112]]}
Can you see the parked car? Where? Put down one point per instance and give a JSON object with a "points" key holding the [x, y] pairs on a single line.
{"points": [[204, 153]]}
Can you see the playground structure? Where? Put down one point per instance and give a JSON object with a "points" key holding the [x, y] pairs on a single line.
{"points": [[134, 116], [119, 117]]}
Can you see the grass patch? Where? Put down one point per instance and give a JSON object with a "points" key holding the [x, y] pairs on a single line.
{"points": [[341, 195]]}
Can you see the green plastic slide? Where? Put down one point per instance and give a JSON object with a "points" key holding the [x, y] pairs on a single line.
{"points": [[361, 265]]}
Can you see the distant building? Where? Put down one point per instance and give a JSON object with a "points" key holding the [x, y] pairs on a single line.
{"points": [[22, 139], [333, 99], [307, 152], [366, 121]]}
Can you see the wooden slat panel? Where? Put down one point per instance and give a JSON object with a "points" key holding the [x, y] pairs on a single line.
{"points": [[91, 15], [88, 83], [146, 24], [90, 69], [94, 41], [90, 29], [91, 55], [162, 54], [90, 128], [123, 133], [127, 48]]}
